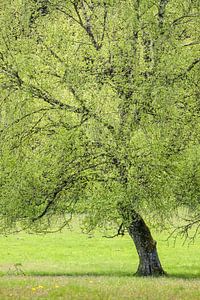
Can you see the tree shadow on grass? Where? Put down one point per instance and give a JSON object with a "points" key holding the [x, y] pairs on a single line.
{"points": [[83, 274], [185, 276]]}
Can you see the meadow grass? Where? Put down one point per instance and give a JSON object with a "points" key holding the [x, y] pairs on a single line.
{"points": [[70, 265]]}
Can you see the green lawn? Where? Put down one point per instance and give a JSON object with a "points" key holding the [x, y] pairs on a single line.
{"points": [[71, 265]]}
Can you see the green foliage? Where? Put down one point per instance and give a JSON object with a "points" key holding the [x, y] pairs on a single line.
{"points": [[190, 178], [99, 101]]}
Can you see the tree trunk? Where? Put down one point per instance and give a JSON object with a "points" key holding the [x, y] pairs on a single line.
{"points": [[149, 263]]}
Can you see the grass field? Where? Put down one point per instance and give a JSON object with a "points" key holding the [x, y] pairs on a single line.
{"points": [[71, 265]]}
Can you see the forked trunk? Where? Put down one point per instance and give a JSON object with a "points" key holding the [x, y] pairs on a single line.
{"points": [[149, 262]]}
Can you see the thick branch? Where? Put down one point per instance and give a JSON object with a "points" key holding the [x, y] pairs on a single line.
{"points": [[161, 12]]}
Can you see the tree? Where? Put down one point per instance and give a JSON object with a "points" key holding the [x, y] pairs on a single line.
{"points": [[96, 80]]}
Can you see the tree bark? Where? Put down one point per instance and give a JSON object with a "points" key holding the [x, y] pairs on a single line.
{"points": [[149, 262]]}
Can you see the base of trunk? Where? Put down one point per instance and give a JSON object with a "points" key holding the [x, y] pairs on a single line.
{"points": [[149, 264], [145, 272]]}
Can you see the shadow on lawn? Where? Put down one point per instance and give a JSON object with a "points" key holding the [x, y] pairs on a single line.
{"points": [[184, 276], [84, 274], [113, 274]]}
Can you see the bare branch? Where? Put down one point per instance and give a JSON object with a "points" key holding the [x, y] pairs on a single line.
{"points": [[65, 185], [192, 43], [120, 231], [104, 23], [189, 68], [178, 20]]}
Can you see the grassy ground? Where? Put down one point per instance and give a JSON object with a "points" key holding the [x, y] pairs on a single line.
{"points": [[70, 265]]}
